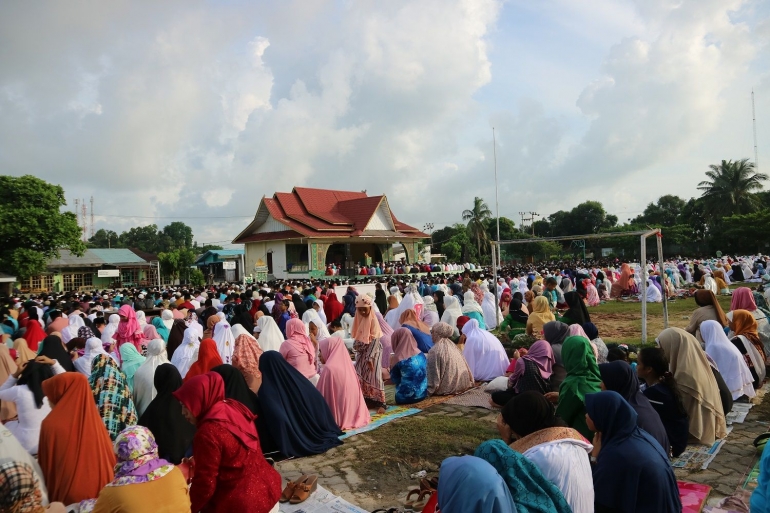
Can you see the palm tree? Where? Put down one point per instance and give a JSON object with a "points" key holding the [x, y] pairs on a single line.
{"points": [[731, 188], [476, 218]]}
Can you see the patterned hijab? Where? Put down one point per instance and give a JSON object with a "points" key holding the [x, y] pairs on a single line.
{"points": [[19, 489], [137, 455], [112, 395]]}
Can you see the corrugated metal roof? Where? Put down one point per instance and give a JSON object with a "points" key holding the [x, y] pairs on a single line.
{"points": [[227, 252], [118, 256], [96, 258], [217, 255]]}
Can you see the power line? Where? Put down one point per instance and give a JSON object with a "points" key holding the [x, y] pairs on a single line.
{"points": [[175, 217]]}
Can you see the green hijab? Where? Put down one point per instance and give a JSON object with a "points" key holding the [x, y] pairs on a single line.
{"points": [[583, 378], [132, 360]]}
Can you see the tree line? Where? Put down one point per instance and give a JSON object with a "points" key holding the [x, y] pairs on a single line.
{"points": [[732, 207]]}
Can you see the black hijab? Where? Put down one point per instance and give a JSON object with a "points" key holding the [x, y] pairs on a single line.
{"points": [[528, 412], [33, 376], [293, 417], [619, 377], [516, 313], [175, 336], [54, 349], [243, 317], [438, 298], [381, 300], [577, 313], [236, 387], [299, 305], [164, 416]]}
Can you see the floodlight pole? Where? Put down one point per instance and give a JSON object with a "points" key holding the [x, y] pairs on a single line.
{"points": [[494, 274]]}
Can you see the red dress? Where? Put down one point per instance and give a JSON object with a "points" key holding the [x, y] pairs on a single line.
{"points": [[228, 476]]}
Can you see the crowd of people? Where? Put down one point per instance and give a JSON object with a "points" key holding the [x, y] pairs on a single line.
{"points": [[182, 398]]}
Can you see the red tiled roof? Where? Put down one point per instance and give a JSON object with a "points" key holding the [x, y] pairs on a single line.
{"points": [[315, 213]]}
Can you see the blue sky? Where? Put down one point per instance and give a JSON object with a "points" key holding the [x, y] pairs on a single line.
{"points": [[195, 110]]}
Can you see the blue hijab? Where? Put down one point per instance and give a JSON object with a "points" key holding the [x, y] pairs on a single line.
{"points": [[631, 463], [468, 484], [292, 415], [530, 490], [424, 341]]}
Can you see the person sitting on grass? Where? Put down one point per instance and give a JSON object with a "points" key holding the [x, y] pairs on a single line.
{"points": [[408, 369], [531, 372]]}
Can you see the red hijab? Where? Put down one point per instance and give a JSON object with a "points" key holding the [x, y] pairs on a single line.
{"points": [[332, 307], [204, 396], [208, 358], [34, 334]]}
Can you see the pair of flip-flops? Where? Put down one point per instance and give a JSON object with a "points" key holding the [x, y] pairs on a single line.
{"points": [[428, 486]]}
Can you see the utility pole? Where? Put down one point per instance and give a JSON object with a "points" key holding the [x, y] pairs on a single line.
{"points": [[497, 201], [754, 120], [533, 215]]}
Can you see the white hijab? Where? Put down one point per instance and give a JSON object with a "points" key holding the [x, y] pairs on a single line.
{"points": [[223, 336], [452, 311], [311, 315], [144, 378], [470, 304], [110, 329], [93, 349], [321, 312], [653, 294], [270, 337], [484, 353], [71, 331], [239, 330], [187, 352], [168, 318], [141, 318], [729, 360], [488, 309]]}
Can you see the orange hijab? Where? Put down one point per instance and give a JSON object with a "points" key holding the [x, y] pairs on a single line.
{"points": [[7, 367], [409, 317], [208, 358], [75, 451]]}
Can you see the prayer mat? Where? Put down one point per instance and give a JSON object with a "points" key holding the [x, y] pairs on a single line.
{"points": [[753, 477], [392, 413], [321, 501], [476, 397], [699, 457], [693, 496]]}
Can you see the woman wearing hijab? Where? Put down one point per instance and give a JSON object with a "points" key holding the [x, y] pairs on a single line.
{"points": [[246, 359], [208, 358], [270, 337], [708, 309], [515, 322], [366, 332], [743, 299], [469, 484], [529, 425], [231, 473], [34, 333], [472, 308], [529, 489], [23, 352], [408, 370], [144, 390], [19, 490], [531, 372], [54, 349], [141, 478], [746, 338], [339, 385], [697, 383], [112, 395], [132, 360], [452, 311], [92, 350], [150, 333], [380, 299], [211, 323], [332, 307], [23, 390], [420, 331], [541, 314], [163, 416], [75, 451], [236, 387], [292, 416], [555, 333], [187, 352], [129, 331], [109, 331], [7, 369], [438, 299], [582, 379], [429, 314], [619, 377], [729, 360], [160, 327], [448, 372], [484, 353], [629, 462], [299, 350], [225, 340], [577, 312]]}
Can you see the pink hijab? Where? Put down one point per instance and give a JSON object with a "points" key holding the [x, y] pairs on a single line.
{"points": [[404, 344], [128, 330], [576, 330], [150, 333], [339, 385], [296, 337], [541, 354], [743, 299]]}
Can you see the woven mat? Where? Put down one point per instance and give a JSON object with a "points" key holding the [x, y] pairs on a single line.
{"points": [[475, 397]]}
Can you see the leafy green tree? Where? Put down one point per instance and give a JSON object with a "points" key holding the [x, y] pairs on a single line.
{"points": [[104, 239], [144, 238], [694, 215], [32, 227], [441, 236], [175, 236], [176, 264], [542, 228], [476, 218], [197, 279], [731, 188], [665, 212], [589, 217], [507, 228], [739, 233]]}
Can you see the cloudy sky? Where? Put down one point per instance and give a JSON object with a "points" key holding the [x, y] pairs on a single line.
{"points": [[192, 111]]}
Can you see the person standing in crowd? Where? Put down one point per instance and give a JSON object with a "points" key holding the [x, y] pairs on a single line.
{"points": [[366, 332]]}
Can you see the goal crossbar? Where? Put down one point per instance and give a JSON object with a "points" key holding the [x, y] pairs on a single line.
{"points": [[643, 235]]}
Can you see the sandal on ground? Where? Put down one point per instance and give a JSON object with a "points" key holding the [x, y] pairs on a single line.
{"points": [[422, 500], [304, 489], [288, 492], [409, 504], [429, 484]]}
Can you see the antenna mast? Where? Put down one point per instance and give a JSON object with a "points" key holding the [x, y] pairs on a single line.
{"points": [[92, 216], [84, 213], [754, 121]]}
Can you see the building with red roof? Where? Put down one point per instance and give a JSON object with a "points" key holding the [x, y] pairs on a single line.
{"points": [[299, 233]]}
